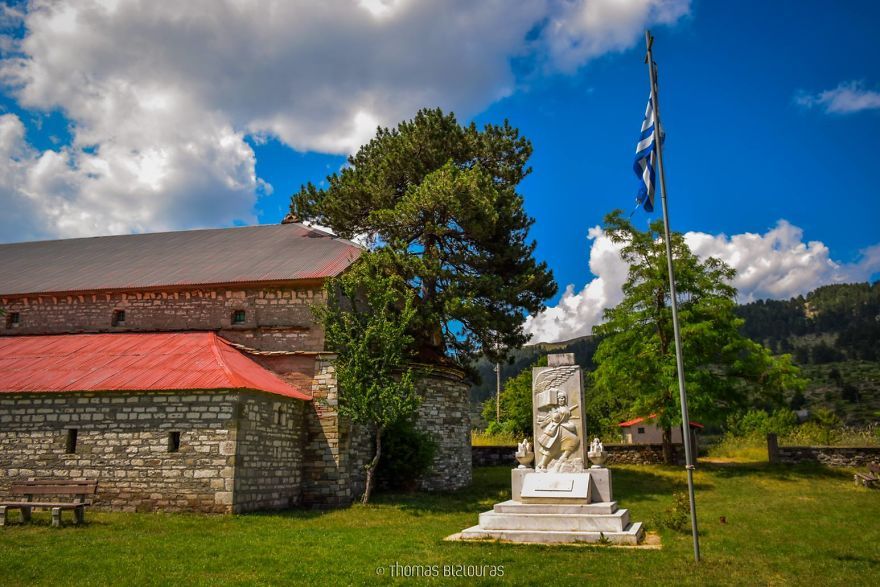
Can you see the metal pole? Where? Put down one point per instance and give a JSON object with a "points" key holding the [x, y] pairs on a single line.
{"points": [[685, 425], [498, 392]]}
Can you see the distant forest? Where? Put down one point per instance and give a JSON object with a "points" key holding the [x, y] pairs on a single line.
{"points": [[833, 333], [832, 323]]}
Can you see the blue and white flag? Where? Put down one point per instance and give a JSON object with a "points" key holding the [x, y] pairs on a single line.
{"points": [[644, 164]]}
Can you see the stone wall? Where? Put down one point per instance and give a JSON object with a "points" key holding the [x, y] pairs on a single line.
{"points": [[630, 454], [444, 415], [834, 456], [270, 436], [642, 454], [123, 441], [275, 318], [493, 456], [326, 469]]}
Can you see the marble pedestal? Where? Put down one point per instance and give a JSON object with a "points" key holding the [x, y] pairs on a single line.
{"points": [[548, 508]]}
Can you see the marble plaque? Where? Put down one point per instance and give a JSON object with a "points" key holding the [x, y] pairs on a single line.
{"points": [[556, 485]]}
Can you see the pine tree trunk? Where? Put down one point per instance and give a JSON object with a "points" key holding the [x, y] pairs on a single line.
{"points": [[371, 468], [667, 446]]}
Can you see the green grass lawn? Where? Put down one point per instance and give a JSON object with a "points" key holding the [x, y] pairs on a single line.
{"points": [[785, 525]]}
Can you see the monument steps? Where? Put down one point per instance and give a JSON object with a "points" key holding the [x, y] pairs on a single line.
{"points": [[515, 507], [631, 535], [558, 522]]}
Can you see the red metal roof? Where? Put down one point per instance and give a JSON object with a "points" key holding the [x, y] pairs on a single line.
{"points": [[273, 254], [131, 362], [651, 417]]}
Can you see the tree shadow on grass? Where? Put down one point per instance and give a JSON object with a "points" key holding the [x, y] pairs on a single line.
{"points": [[491, 485], [644, 484], [777, 472]]}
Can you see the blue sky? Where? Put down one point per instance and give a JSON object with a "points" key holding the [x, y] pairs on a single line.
{"points": [[771, 110]]}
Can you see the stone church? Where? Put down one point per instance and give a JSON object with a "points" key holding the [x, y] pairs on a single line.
{"points": [[185, 372]]}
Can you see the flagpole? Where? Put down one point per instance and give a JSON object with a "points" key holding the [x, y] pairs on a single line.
{"points": [[685, 425]]}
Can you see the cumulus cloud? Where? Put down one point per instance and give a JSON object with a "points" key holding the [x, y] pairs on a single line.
{"points": [[580, 30], [162, 95], [846, 98], [777, 265]]}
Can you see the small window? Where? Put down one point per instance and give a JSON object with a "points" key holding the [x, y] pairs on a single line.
{"points": [[13, 319], [173, 441], [238, 317], [641, 431], [118, 318], [70, 445]]}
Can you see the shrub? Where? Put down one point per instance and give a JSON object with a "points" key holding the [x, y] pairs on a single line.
{"points": [[678, 516], [760, 423], [407, 454]]}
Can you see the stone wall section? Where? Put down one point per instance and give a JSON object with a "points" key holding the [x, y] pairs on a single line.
{"points": [[238, 451], [444, 415], [275, 318], [326, 468], [833, 456], [122, 441], [268, 453], [630, 454]]}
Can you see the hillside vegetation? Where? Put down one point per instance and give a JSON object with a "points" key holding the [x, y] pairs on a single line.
{"points": [[832, 333]]}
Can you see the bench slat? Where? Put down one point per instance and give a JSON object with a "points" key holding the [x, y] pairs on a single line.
{"points": [[55, 488]]}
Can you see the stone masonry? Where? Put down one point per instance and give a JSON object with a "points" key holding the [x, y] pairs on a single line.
{"points": [[238, 451], [278, 318]]}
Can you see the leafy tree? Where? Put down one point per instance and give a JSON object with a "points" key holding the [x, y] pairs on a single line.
{"points": [[636, 368], [365, 321], [516, 403], [439, 202]]}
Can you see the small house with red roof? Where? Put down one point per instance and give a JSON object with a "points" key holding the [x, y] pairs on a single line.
{"points": [[185, 372], [644, 430]]}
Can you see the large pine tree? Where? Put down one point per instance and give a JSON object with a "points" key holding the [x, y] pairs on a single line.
{"points": [[439, 202]]}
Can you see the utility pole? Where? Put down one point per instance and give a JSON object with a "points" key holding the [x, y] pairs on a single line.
{"points": [[498, 392], [682, 393]]}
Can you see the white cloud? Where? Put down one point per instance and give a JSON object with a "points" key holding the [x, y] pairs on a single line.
{"points": [[846, 98], [580, 30], [162, 95], [776, 265]]}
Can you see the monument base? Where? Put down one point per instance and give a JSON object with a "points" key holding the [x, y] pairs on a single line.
{"points": [[556, 524], [558, 508]]}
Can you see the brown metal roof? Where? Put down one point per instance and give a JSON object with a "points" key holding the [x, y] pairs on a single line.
{"points": [[250, 254]]}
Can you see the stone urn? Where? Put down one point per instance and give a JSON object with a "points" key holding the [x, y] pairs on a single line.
{"points": [[525, 454], [597, 454]]}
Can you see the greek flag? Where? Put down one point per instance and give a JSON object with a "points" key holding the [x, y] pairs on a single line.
{"points": [[644, 163]]}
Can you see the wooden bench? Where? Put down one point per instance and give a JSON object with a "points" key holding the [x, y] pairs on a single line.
{"points": [[80, 490], [869, 479]]}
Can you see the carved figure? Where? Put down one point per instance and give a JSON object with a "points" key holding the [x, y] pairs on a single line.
{"points": [[559, 437], [597, 454], [525, 453]]}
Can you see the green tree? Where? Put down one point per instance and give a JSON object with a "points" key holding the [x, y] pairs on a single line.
{"points": [[365, 321], [636, 368], [439, 202], [516, 403]]}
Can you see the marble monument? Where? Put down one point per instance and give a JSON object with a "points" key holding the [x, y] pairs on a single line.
{"points": [[561, 499]]}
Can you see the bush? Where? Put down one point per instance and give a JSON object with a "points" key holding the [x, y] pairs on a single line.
{"points": [[678, 516], [759, 423], [407, 454]]}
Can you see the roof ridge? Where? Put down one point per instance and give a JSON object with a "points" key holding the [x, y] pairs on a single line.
{"points": [[234, 379], [98, 236]]}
